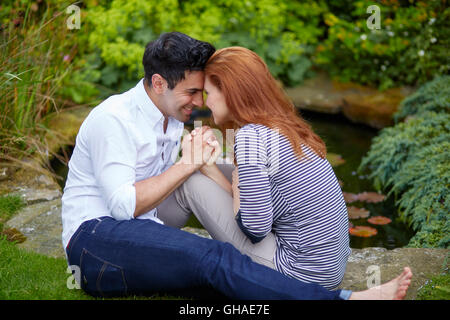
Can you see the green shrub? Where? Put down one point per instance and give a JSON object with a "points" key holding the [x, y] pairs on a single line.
{"points": [[432, 96], [410, 160], [410, 48], [291, 36], [283, 33]]}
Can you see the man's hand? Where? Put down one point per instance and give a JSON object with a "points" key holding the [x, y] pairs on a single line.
{"points": [[209, 137], [197, 151], [200, 147]]}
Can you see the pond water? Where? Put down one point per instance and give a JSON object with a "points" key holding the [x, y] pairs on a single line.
{"points": [[351, 141]]}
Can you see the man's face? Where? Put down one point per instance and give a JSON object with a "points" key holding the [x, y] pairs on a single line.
{"points": [[186, 95]]}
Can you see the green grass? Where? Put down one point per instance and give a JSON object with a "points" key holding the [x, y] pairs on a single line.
{"points": [[9, 205], [437, 288], [26, 275], [31, 276]]}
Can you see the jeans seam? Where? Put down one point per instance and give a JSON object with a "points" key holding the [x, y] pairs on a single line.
{"points": [[102, 270], [72, 243]]}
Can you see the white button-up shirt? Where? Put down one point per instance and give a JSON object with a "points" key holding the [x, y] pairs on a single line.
{"points": [[122, 141]]}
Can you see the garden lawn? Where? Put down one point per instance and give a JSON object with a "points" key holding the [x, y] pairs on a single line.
{"points": [[26, 275], [31, 276]]}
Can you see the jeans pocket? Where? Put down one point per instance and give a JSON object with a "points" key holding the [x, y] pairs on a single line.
{"points": [[100, 277]]}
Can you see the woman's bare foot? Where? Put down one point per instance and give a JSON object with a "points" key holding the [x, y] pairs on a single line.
{"points": [[392, 290]]}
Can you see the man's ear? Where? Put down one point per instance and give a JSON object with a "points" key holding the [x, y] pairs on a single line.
{"points": [[159, 84]]}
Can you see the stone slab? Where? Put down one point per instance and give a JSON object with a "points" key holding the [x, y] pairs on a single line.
{"points": [[364, 264], [41, 224], [360, 104]]}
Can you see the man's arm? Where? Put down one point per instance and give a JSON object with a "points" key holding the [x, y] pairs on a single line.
{"points": [[214, 173], [152, 191]]}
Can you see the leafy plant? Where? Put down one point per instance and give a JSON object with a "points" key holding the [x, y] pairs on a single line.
{"points": [[291, 36], [283, 33], [410, 48], [410, 160], [433, 96]]}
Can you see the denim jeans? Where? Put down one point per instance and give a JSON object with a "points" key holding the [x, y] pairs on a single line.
{"points": [[143, 257]]}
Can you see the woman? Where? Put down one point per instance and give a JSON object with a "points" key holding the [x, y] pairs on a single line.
{"points": [[285, 192]]}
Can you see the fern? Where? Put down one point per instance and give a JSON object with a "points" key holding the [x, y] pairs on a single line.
{"points": [[432, 96], [411, 161]]}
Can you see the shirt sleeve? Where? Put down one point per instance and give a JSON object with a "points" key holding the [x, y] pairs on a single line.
{"points": [[113, 156], [255, 216]]}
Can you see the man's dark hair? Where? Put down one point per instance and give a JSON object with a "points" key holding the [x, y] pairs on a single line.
{"points": [[172, 54]]}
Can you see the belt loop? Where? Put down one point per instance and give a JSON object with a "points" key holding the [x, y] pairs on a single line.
{"points": [[96, 225]]}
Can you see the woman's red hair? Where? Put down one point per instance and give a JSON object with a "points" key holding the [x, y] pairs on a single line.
{"points": [[252, 95]]}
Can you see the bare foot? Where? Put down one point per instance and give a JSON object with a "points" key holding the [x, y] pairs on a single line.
{"points": [[392, 290]]}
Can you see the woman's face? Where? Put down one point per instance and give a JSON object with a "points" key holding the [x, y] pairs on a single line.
{"points": [[215, 101]]}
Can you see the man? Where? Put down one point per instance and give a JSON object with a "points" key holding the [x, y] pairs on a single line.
{"points": [[121, 174]]}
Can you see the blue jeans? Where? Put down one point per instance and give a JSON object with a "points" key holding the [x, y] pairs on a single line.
{"points": [[143, 257]]}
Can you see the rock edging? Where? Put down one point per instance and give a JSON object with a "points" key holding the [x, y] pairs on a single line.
{"points": [[358, 103]]}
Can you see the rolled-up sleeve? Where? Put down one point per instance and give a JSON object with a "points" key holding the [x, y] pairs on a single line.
{"points": [[114, 155], [255, 216]]}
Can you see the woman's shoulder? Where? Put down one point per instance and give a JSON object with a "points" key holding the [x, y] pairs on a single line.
{"points": [[252, 129]]}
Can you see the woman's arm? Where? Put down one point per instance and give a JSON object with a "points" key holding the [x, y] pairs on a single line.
{"points": [[214, 173], [235, 190], [255, 211]]}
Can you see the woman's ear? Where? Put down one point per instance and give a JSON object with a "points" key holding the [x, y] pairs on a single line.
{"points": [[159, 84]]}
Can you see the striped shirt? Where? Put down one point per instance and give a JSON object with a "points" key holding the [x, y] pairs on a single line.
{"points": [[301, 202]]}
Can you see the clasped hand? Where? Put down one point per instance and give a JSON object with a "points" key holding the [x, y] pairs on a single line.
{"points": [[200, 147]]}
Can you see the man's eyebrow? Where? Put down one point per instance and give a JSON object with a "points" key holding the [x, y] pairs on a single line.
{"points": [[194, 89]]}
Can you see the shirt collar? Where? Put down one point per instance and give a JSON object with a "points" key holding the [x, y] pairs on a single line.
{"points": [[153, 114]]}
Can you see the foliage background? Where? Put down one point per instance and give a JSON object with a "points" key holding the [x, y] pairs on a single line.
{"points": [[411, 161], [293, 37], [46, 67], [410, 48]]}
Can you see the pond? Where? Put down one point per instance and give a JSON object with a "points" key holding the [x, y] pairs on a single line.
{"points": [[351, 141]]}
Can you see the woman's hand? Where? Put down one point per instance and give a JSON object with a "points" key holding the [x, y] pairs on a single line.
{"points": [[195, 152], [209, 138], [200, 148]]}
